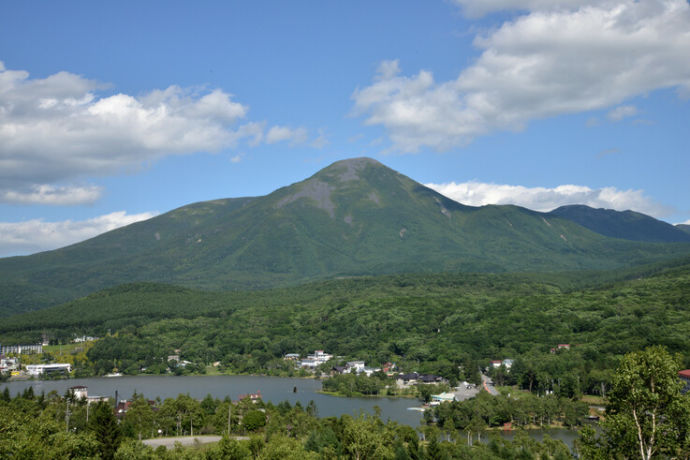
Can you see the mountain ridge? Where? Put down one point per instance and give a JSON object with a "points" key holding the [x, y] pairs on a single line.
{"points": [[354, 217], [629, 225]]}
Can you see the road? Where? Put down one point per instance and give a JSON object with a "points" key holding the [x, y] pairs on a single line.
{"points": [[489, 386], [169, 443]]}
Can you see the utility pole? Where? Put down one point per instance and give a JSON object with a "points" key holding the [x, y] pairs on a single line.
{"points": [[67, 414], [229, 415]]}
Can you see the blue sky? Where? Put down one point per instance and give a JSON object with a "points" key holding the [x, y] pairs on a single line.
{"points": [[111, 113]]}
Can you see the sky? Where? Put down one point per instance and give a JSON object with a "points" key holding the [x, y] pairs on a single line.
{"points": [[116, 112]]}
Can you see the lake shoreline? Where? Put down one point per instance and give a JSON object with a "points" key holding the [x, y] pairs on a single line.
{"points": [[337, 394]]}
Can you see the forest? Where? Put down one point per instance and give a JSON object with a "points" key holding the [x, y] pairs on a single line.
{"points": [[450, 325]]}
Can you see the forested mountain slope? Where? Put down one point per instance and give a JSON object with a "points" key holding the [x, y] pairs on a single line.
{"points": [[428, 321], [628, 225], [355, 217]]}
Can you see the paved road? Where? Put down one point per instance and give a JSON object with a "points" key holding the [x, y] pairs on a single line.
{"points": [[169, 443], [489, 386]]}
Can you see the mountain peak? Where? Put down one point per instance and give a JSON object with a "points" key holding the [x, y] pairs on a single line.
{"points": [[354, 217], [348, 170]]}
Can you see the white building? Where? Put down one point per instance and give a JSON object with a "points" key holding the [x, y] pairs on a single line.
{"points": [[357, 366], [84, 338], [9, 364], [40, 369], [80, 392], [319, 357], [21, 349]]}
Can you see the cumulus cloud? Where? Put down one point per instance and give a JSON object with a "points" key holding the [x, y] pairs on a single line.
{"points": [[58, 128], [284, 133], [27, 237], [579, 57], [621, 112], [546, 199]]}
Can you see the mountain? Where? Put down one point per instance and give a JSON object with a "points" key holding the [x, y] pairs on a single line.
{"points": [[628, 225], [683, 227], [355, 217]]}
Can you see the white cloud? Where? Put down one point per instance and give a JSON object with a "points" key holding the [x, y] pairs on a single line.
{"points": [[50, 195], [538, 65], [607, 152], [546, 199], [284, 133], [321, 140], [687, 222], [477, 8], [56, 129], [27, 237], [621, 112]]}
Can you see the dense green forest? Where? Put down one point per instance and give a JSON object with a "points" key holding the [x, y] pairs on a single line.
{"points": [[51, 426], [448, 324]]}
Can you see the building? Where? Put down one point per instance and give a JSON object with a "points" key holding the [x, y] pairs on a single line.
{"points": [[9, 364], [404, 380], [357, 366], [443, 397], [43, 369], [291, 357], [309, 362], [123, 406], [430, 378], [319, 357], [79, 392], [685, 378], [338, 370], [388, 367], [253, 397], [21, 349], [84, 338]]}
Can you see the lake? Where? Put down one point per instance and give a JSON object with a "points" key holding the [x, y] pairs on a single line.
{"points": [[273, 389]]}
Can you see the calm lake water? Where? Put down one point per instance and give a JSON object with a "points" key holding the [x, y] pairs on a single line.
{"points": [[273, 389]]}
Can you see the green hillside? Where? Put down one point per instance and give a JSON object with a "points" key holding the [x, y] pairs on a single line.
{"points": [[430, 322], [356, 217]]}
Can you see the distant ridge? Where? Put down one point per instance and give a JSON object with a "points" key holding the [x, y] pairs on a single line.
{"points": [[629, 225], [354, 217]]}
